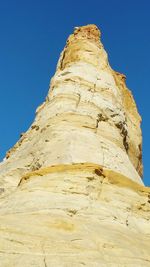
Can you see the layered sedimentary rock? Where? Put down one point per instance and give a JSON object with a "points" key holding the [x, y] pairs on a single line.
{"points": [[71, 188]]}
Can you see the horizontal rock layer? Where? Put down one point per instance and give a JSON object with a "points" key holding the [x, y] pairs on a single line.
{"points": [[75, 215]]}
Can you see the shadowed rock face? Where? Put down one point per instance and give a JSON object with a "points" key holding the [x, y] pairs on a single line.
{"points": [[71, 189]]}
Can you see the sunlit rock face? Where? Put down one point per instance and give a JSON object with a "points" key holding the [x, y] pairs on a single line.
{"points": [[71, 188]]}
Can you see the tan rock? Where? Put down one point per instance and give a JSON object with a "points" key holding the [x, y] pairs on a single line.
{"points": [[71, 191]]}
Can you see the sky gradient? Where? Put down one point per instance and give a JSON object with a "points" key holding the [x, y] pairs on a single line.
{"points": [[32, 35]]}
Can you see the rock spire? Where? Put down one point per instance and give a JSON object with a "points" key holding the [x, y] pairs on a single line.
{"points": [[71, 188]]}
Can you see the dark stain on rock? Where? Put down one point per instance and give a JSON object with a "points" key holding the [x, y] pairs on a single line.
{"points": [[99, 172], [2, 190]]}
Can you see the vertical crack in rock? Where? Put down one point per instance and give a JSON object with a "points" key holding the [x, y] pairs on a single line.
{"points": [[122, 127], [45, 264]]}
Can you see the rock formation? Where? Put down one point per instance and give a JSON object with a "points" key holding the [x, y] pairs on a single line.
{"points": [[71, 187]]}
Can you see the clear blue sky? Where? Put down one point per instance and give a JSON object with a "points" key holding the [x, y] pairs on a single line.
{"points": [[32, 35]]}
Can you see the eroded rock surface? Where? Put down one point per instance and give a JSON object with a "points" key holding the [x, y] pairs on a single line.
{"points": [[71, 189]]}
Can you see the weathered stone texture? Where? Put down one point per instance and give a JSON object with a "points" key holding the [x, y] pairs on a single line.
{"points": [[71, 188]]}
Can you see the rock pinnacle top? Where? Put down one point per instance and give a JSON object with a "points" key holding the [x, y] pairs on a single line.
{"points": [[90, 32]]}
